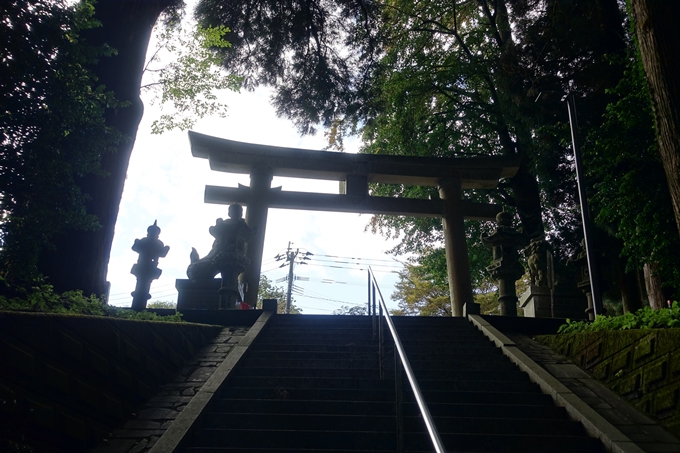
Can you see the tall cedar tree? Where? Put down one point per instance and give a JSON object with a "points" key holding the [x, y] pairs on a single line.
{"points": [[659, 39]]}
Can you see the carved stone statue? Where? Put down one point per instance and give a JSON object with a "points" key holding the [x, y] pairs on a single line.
{"points": [[227, 256], [150, 249], [505, 242], [536, 253]]}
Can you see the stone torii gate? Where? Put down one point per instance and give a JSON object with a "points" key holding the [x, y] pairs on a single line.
{"points": [[450, 175]]}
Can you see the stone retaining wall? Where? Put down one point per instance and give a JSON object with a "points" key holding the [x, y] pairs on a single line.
{"points": [[643, 366], [67, 380], [144, 428]]}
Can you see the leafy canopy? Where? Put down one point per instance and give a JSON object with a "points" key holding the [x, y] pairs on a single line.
{"points": [[188, 85]]}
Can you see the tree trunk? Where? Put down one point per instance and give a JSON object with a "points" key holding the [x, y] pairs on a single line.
{"points": [[653, 284], [630, 294], [80, 260], [659, 39], [528, 201]]}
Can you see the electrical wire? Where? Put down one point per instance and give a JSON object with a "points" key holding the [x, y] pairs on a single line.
{"points": [[353, 258], [358, 264], [353, 268]]}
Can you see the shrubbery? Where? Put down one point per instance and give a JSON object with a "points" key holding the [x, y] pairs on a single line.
{"points": [[645, 318], [41, 298]]}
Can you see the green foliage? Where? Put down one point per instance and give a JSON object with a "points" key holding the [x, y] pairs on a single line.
{"points": [[127, 313], [52, 123], [632, 201], [645, 318], [162, 304], [423, 289], [317, 55], [188, 85], [418, 292], [42, 299], [356, 310]]}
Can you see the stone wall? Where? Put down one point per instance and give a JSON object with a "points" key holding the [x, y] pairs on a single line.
{"points": [[140, 433], [643, 366], [67, 380]]}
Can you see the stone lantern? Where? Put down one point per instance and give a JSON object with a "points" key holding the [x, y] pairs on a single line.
{"points": [[150, 249], [505, 268]]}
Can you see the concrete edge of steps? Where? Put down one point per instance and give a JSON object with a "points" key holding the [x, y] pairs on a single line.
{"points": [[595, 425], [177, 431]]}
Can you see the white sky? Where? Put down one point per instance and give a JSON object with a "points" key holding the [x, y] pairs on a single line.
{"points": [[165, 183]]}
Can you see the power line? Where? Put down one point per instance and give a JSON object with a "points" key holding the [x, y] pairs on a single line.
{"points": [[358, 264], [353, 268], [354, 258]]}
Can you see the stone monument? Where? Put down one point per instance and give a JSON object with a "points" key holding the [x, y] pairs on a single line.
{"points": [[579, 261], [150, 249], [505, 268], [227, 258]]}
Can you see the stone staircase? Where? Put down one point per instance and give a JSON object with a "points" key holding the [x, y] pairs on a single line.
{"points": [[312, 384]]}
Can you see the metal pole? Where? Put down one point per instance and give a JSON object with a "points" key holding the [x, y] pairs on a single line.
{"points": [[585, 213], [369, 292]]}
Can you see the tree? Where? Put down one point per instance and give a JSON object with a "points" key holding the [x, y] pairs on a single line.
{"points": [[126, 27], [658, 37], [356, 310], [428, 78], [53, 129], [267, 290], [419, 292], [632, 202], [162, 304]]}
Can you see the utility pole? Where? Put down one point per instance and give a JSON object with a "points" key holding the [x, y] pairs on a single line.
{"points": [[290, 256]]}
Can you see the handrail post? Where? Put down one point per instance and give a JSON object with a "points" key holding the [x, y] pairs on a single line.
{"points": [[369, 293], [375, 313], [381, 343]]}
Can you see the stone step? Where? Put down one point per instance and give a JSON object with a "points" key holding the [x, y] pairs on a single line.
{"points": [[282, 407], [446, 355], [488, 364], [330, 394], [523, 385], [373, 373], [525, 426], [372, 440]]}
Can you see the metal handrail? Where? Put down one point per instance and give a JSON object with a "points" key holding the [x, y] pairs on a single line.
{"points": [[427, 417]]}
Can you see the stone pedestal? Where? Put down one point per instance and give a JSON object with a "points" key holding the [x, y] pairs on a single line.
{"points": [[536, 303], [202, 295]]}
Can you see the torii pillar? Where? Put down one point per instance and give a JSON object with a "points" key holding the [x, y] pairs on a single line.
{"points": [[457, 263], [256, 216]]}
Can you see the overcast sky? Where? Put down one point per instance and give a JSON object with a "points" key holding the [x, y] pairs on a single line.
{"points": [[165, 183]]}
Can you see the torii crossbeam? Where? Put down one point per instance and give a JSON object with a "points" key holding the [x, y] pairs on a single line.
{"points": [[450, 175]]}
